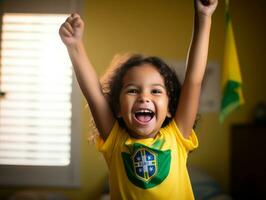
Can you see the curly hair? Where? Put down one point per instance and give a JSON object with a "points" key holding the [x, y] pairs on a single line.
{"points": [[112, 82]]}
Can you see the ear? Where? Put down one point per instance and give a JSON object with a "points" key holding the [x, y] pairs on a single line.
{"points": [[118, 114], [168, 114]]}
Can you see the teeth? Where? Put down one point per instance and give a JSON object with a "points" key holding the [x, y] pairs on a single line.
{"points": [[144, 111]]}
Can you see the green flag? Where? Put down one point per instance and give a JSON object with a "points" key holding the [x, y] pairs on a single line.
{"points": [[232, 95]]}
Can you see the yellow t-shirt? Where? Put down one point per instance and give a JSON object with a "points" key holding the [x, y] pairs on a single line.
{"points": [[152, 168]]}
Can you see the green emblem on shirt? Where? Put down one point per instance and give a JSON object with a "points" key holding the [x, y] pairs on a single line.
{"points": [[146, 167]]}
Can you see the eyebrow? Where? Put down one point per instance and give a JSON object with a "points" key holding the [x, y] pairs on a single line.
{"points": [[155, 84]]}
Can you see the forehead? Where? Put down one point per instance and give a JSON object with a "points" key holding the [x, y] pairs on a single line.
{"points": [[145, 73]]}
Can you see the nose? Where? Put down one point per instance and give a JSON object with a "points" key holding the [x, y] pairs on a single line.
{"points": [[143, 98]]}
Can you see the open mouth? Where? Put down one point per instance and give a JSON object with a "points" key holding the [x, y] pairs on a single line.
{"points": [[144, 115]]}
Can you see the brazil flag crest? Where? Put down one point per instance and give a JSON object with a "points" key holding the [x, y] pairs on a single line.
{"points": [[146, 167]]}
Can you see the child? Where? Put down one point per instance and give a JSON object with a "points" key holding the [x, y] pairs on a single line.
{"points": [[144, 117]]}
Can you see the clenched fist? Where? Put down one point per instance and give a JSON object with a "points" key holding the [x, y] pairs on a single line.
{"points": [[205, 7], [71, 30]]}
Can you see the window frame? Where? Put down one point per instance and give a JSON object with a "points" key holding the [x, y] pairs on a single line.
{"points": [[62, 176]]}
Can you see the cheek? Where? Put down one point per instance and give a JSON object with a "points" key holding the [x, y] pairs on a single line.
{"points": [[163, 103], [125, 104]]}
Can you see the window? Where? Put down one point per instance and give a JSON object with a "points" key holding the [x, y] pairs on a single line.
{"points": [[39, 111]]}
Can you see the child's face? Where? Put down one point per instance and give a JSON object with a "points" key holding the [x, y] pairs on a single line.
{"points": [[143, 101]]}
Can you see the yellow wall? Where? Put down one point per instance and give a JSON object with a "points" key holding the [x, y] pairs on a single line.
{"points": [[163, 28]]}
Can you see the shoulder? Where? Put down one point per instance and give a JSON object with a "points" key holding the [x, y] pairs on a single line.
{"points": [[116, 135], [172, 130]]}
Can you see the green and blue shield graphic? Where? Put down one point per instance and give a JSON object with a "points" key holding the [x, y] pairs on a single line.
{"points": [[146, 167], [145, 164]]}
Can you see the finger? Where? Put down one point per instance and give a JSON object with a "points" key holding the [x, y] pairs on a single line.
{"points": [[208, 2], [64, 32], [205, 2], [74, 15], [77, 22], [69, 19], [68, 26], [76, 19], [214, 2]]}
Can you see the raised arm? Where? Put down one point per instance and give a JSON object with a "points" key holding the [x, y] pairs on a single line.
{"points": [[71, 32], [196, 63]]}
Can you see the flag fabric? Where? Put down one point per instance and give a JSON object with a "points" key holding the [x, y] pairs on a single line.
{"points": [[232, 96]]}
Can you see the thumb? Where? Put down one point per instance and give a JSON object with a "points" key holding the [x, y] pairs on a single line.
{"points": [[77, 22]]}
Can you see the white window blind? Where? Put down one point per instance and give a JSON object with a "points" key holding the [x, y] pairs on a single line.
{"points": [[40, 113], [36, 76]]}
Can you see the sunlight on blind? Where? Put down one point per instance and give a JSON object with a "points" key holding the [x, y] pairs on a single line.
{"points": [[36, 75]]}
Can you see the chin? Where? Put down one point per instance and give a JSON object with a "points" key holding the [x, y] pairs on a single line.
{"points": [[142, 131], [142, 134]]}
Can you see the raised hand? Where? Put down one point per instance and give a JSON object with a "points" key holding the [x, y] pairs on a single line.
{"points": [[205, 7], [71, 30]]}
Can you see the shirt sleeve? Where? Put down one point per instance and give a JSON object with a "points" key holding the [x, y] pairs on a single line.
{"points": [[107, 146], [190, 143]]}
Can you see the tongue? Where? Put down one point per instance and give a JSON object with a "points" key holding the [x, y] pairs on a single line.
{"points": [[143, 118]]}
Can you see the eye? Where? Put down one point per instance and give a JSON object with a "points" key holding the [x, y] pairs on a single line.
{"points": [[156, 91], [132, 91]]}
